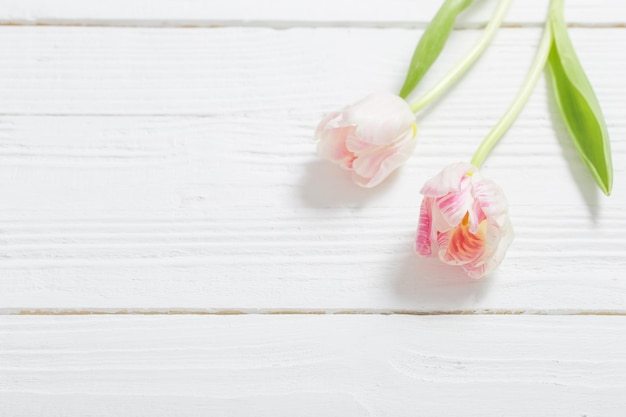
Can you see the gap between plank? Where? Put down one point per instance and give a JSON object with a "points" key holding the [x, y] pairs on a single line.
{"points": [[282, 25], [238, 312]]}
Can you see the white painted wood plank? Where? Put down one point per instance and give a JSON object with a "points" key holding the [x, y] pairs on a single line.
{"points": [[286, 13], [76, 70], [233, 211], [312, 365], [163, 213]]}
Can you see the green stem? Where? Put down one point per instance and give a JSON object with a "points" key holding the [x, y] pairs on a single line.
{"points": [[556, 7], [467, 61], [520, 100]]}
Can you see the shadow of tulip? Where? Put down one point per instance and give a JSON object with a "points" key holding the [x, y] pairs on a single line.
{"points": [[429, 284], [580, 174], [324, 185]]}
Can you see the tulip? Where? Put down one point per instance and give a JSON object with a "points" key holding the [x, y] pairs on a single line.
{"points": [[371, 137], [464, 220]]}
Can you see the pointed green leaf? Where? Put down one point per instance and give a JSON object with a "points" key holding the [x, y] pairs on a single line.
{"points": [[432, 42], [578, 104]]}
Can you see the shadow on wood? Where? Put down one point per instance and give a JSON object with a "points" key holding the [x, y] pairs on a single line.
{"points": [[430, 284], [588, 188], [325, 185]]}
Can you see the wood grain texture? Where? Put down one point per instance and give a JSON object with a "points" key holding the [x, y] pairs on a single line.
{"points": [[162, 162], [262, 71], [286, 13], [312, 365], [135, 213], [217, 201]]}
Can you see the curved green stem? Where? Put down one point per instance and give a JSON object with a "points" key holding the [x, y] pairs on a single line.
{"points": [[467, 61], [520, 100]]}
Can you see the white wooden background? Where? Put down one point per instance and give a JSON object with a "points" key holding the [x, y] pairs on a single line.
{"points": [[170, 245]]}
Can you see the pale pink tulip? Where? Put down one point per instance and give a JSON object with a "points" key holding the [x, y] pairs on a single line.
{"points": [[464, 220], [371, 137]]}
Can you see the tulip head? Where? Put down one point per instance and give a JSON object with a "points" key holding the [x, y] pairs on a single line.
{"points": [[371, 137], [464, 220]]}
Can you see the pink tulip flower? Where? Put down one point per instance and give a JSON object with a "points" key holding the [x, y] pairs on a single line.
{"points": [[464, 220], [371, 137]]}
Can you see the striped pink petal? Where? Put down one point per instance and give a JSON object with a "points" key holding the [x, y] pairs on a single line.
{"points": [[424, 228], [448, 180], [490, 198], [454, 206], [443, 240]]}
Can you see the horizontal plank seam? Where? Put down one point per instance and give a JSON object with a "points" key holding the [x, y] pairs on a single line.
{"points": [[237, 312], [212, 115], [282, 25]]}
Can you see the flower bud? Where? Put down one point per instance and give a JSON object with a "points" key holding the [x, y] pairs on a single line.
{"points": [[464, 220], [371, 137]]}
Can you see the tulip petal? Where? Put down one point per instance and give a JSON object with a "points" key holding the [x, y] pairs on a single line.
{"points": [[379, 118], [465, 247], [443, 240], [490, 198], [455, 206], [422, 241], [359, 146], [332, 142], [493, 236], [467, 219], [330, 121], [372, 168], [475, 216], [368, 165], [448, 180], [498, 249]]}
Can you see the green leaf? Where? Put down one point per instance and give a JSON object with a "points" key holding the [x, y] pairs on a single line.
{"points": [[578, 104], [432, 42]]}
